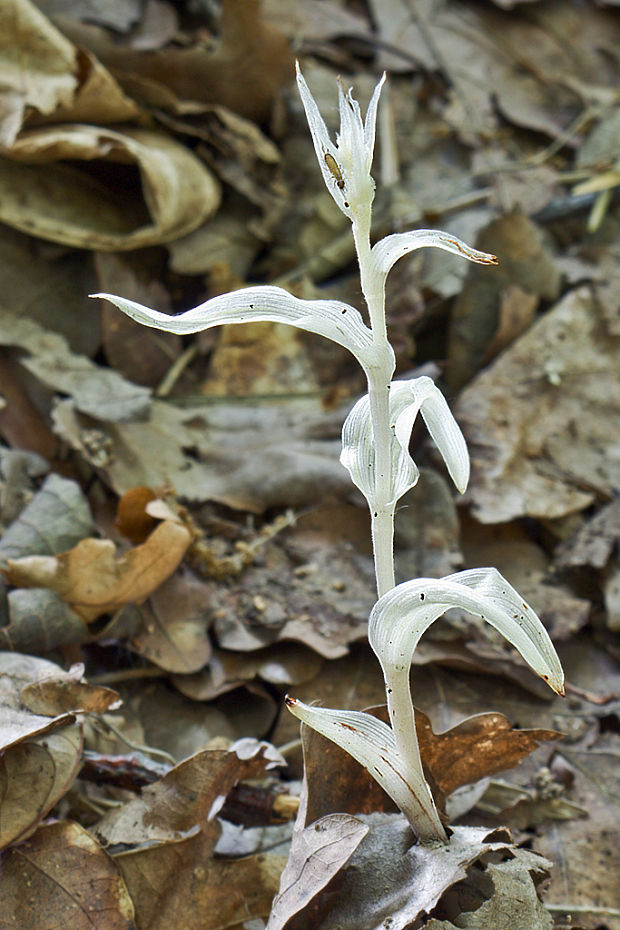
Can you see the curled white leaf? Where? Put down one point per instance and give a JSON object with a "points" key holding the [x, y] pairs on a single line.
{"points": [[407, 399], [330, 318], [387, 251], [400, 617], [345, 165], [371, 743]]}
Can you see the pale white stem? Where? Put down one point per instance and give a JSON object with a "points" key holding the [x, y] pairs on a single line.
{"points": [[379, 379], [424, 817]]}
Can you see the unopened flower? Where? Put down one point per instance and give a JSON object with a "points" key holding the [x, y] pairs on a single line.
{"points": [[346, 164]]}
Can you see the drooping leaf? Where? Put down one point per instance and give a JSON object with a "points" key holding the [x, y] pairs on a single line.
{"points": [[330, 318], [407, 399], [400, 617]]}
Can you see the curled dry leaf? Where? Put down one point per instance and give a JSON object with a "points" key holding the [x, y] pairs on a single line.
{"points": [[61, 877], [94, 581], [66, 204], [63, 692], [34, 776], [186, 799], [42, 76]]}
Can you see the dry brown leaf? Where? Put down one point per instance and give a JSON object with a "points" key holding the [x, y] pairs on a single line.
{"points": [[182, 885], [65, 692], [141, 354], [34, 776], [185, 800], [62, 878], [480, 324], [94, 581], [175, 193], [478, 746], [175, 634]]}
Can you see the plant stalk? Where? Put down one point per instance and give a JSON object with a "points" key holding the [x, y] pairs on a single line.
{"points": [[382, 515]]}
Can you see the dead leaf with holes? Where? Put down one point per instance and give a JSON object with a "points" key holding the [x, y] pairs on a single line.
{"points": [[94, 581]]}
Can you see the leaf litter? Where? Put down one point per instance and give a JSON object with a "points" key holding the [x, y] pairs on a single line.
{"points": [[200, 616]]}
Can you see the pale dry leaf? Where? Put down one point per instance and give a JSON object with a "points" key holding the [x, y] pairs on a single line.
{"points": [[541, 422], [38, 66], [98, 392], [246, 456], [94, 581], [56, 518], [67, 204]]}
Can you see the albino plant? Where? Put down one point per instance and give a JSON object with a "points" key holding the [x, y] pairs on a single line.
{"points": [[375, 450]]}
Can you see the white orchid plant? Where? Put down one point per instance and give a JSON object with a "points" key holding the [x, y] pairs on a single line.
{"points": [[375, 450]]}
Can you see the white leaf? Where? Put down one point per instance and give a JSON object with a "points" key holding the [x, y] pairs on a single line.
{"points": [[371, 743], [330, 318], [388, 250], [401, 616], [407, 398]]}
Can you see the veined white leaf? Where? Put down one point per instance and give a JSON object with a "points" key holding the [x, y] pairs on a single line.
{"points": [[400, 617], [330, 318], [388, 250], [407, 399], [371, 743]]}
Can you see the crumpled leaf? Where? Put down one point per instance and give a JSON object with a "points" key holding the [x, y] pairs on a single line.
{"points": [[98, 392], [514, 901], [178, 882], [247, 45], [94, 582], [57, 518], [61, 877], [542, 421], [16, 723], [177, 191], [386, 878]]}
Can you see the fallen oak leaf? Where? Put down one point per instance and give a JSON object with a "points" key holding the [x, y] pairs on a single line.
{"points": [[94, 581], [478, 746]]}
